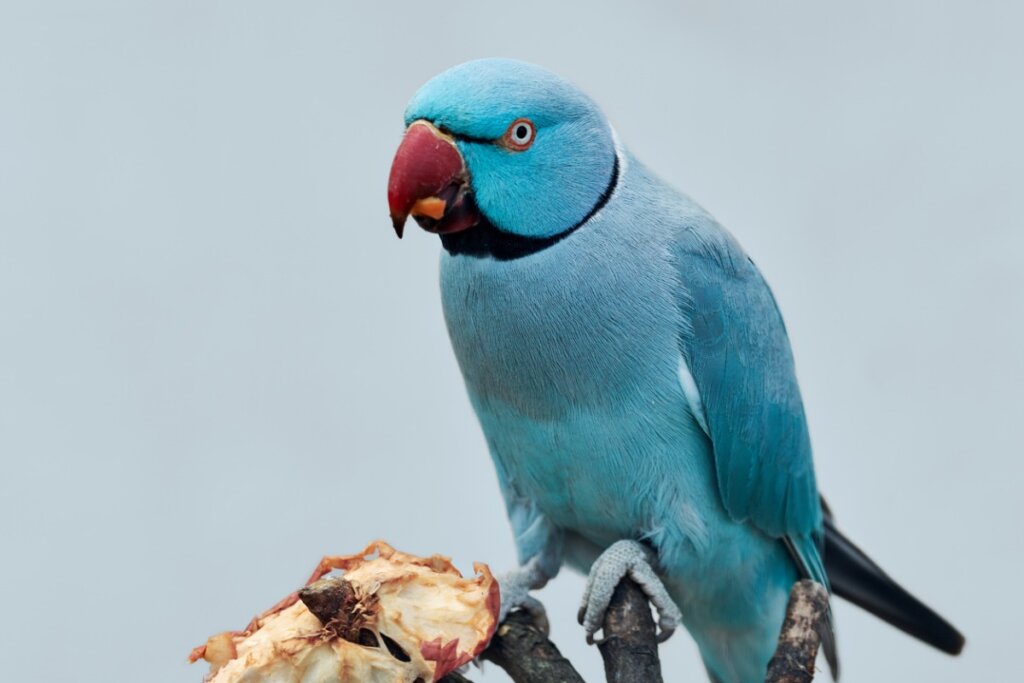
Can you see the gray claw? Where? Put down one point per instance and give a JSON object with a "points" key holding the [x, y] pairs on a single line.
{"points": [[515, 587], [633, 559]]}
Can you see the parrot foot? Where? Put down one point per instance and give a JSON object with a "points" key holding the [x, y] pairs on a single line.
{"points": [[515, 587], [621, 559]]}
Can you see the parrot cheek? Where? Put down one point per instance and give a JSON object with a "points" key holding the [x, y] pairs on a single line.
{"points": [[429, 182]]}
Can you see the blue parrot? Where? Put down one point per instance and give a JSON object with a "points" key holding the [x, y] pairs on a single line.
{"points": [[630, 370]]}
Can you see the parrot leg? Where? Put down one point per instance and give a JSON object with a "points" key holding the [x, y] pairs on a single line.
{"points": [[621, 559], [515, 587]]}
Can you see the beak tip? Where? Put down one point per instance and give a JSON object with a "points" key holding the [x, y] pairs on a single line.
{"points": [[398, 223]]}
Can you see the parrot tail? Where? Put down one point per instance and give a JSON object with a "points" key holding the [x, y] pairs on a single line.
{"points": [[855, 577]]}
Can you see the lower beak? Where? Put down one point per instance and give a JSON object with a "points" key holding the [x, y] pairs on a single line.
{"points": [[429, 182]]}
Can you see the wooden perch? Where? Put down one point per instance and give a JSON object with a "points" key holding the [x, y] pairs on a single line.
{"points": [[630, 648], [794, 657], [526, 654]]}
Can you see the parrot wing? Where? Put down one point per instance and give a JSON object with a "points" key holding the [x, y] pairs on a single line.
{"points": [[735, 347], [740, 366]]}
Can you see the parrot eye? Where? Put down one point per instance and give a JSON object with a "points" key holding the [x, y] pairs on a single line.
{"points": [[519, 135]]}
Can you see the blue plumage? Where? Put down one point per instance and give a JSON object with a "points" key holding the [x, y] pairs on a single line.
{"points": [[571, 358], [627, 361]]}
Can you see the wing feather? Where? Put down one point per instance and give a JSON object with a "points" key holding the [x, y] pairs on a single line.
{"points": [[735, 345]]}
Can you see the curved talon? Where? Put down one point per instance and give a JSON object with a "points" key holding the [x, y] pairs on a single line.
{"points": [[621, 559], [664, 633], [538, 614]]}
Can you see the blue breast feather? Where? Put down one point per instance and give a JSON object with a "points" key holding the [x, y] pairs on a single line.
{"points": [[577, 348]]}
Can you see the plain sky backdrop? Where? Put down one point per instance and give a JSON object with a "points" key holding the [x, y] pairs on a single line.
{"points": [[217, 363]]}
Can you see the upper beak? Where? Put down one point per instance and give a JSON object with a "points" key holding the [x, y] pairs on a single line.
{"points": [[429, 182]]}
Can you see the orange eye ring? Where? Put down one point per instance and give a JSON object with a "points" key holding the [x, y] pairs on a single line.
{"points": [[520, 135]]}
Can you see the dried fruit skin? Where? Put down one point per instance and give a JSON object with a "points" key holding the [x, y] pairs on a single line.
{"points": [[220, 649], [435, 620]]}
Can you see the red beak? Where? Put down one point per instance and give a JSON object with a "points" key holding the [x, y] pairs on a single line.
{"points": [[429, 182]]}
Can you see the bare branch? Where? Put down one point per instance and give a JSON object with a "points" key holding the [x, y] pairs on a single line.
{"points": [[527, 655], [630, 646], [798, 641]]}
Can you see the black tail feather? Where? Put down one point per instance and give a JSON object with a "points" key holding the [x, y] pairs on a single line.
{"points": [[855, 577]]}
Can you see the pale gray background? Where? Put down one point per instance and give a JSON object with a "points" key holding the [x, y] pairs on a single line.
{"points": [[217, 363]]}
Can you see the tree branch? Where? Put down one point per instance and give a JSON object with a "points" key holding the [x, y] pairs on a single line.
{"points": [[794, 657], [527, 655], [630, 647]]}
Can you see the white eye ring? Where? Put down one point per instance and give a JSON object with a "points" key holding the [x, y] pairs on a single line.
{"points": [[519, 135]]}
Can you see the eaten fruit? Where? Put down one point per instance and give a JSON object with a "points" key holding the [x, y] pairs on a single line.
{"points": [[390, 618]]}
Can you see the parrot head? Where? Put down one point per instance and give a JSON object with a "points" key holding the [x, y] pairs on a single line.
{"points": [[505, 146]]}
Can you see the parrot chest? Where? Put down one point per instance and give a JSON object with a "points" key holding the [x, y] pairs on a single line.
{"points": [[571, 366], [551, 337]]}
